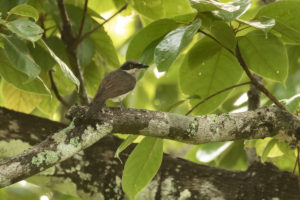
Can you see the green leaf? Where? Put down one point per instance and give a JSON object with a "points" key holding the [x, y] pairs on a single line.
{"points": [[25, 10], [286, 15], [85, 52], [128, 141], [223, 33], [265, 54], [293, 103], [162, 8], [213, 68], [142, 165], [93, 75], [147, 35], [173, 43], [226, 11], [41, 57], [67, 72], [17, 78], [265, 24], [19, 100], [26, 29], [18, 55], [209, 152], [104, 46], [268, 148]]}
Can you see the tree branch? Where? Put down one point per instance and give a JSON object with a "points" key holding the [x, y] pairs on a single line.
{"points": [[215, 94], [63, 144], [55, 90], [69, 39], [82, 19]]}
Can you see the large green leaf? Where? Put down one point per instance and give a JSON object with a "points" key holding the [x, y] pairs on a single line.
{"points": [[227, 11], [18, 79], [26, 11], [223, 33], [104, 46], [158, 9], [265, 54], [142, 165], [41, 57], [26, 29], [93, 75], [287, 16], [18, 55], [67, 72], [147, 35], [85, 52], [19, 100], [173, 43], [207, 69]]}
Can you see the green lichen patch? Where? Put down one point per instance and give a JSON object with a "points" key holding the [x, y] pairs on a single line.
{"points": [[74, 141], [213, 118], [47, 157], [91, 135], [61, 136], [193, 127]]}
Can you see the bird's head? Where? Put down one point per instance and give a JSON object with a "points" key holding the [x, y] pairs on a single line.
{"points": [[131, 64]]}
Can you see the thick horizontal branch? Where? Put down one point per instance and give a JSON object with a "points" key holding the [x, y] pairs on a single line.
{"points": [[261, 123], [264, 122]]}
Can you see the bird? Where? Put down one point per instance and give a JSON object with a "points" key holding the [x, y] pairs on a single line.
{"points": [[115, 84]]}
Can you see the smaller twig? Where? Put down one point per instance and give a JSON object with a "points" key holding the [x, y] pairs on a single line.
{"points": [[215, 94], [100, 25], [82, 19], [55, 90], [254, 81]]}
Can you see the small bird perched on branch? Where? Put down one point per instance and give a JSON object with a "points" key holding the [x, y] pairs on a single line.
{"points": [[115, 84]]}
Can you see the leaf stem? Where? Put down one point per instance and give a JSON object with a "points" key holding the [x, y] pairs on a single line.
{"points": [[215, 94], [254, 80]]}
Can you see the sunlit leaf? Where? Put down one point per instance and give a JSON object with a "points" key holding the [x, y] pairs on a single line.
{"points": [[173, 43], [213, 68], [142, 165], [18, 79], [286, 15], [26, 29], [264, 25], [18, 55], [67, 72], [104, 46], [265, 54], [226, 11], [25, 10], [162, 8], [148, 35], [19, 100]]}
